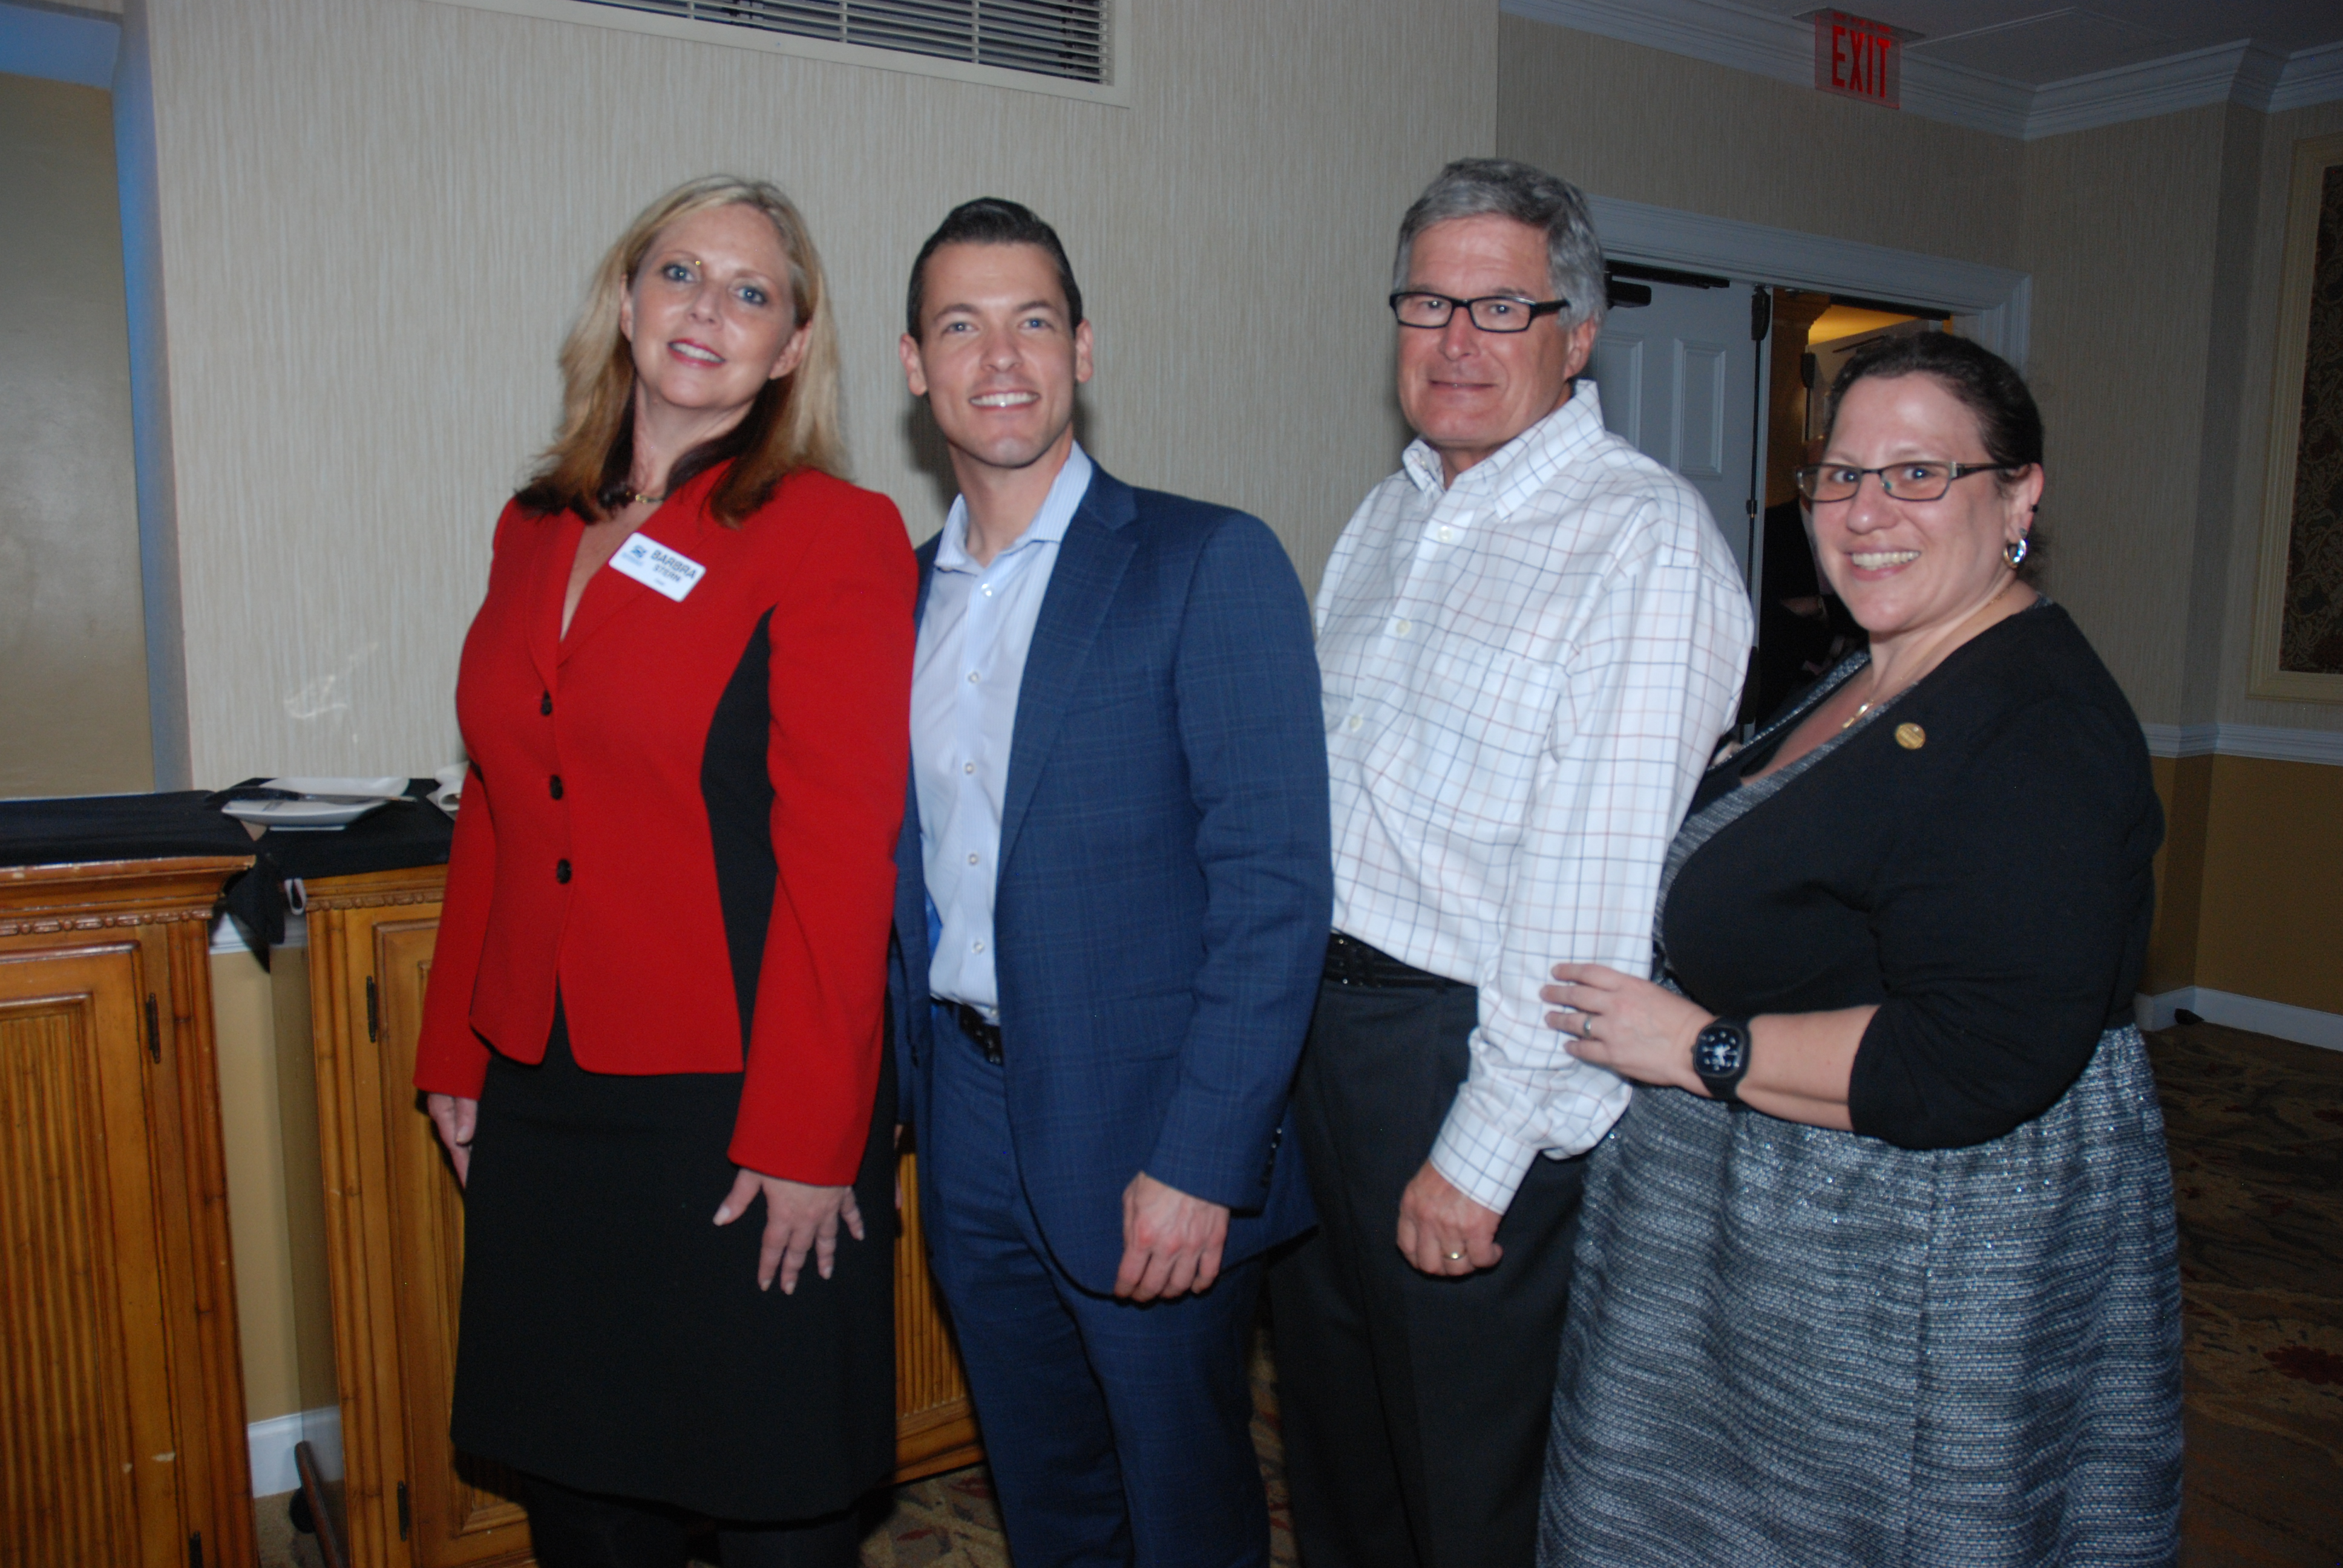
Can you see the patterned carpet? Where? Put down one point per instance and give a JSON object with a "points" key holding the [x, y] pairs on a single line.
{"points": [[2256, 1127], [949, 1520]]}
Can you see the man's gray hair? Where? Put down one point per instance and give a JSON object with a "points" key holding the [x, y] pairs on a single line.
{"points": [[1475, 188]]}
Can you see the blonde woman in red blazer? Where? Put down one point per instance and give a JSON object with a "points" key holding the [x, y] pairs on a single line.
{"points": [[655, 1010]]}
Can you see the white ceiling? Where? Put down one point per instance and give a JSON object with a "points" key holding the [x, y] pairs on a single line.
{"points": [[2016, 67]]}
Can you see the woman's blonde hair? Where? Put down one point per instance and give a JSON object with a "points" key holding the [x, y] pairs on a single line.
{"points": [[792, 425]]}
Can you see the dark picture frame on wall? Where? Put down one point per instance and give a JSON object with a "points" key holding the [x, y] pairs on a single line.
{"points": [[2298, 647]]}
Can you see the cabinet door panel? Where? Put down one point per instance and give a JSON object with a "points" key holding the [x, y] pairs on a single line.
{"points": [[88, 1451], [464, 1515]]}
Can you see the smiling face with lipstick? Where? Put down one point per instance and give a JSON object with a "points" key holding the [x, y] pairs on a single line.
{"points": [[710, 317]]}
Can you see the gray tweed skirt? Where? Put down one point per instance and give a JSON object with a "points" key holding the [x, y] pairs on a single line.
{"points": [[1788, 1346]]}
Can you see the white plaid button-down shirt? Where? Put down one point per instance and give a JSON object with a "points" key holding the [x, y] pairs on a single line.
{"points": [[1524, 675]]}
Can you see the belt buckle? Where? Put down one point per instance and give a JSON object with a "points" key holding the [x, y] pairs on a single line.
{"points": [[984, 1032]]}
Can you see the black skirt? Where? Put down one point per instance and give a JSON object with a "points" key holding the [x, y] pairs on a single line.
{"points": [[612, 1337]]}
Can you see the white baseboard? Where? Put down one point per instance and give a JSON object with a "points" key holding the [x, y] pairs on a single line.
{"points": [[269, 1445], [2305, 1025]]}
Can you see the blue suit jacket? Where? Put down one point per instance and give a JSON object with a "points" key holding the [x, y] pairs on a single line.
{"points": [[1164, 882]]}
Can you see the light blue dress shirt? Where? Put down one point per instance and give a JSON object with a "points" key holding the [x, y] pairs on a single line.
{"points": [[964, 682]]}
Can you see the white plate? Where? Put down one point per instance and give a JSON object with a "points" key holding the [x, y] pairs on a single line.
{"points": [[300, 814], [380, 788]]}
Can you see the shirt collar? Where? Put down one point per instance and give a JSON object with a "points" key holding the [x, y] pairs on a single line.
{"points": [[1048, 525], [1517, 470]]}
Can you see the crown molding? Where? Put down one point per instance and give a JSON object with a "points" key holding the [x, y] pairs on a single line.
{"points": [[1770, 45], [2268, 743], [2160, 86], [2311, 76]]}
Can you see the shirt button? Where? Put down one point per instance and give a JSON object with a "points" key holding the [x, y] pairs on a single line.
{"points": [[971, 678], [1446, 534], [545, 703], [971, 859], [1352, 723], [1402, 628], [976, 947], [554, 786], [968, 766], [560, 871]]}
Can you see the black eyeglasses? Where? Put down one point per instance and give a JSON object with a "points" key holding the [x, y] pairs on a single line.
{"points": [[1490, 313], [1921, 481]]}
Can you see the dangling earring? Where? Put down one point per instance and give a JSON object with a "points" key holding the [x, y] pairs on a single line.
{"points": [[2014, 552]]}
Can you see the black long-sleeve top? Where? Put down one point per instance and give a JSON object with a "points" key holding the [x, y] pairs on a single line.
{"points": [[1990, 889]]}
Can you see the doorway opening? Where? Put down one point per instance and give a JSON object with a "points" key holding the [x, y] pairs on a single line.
{"points": [[1802, 628]]}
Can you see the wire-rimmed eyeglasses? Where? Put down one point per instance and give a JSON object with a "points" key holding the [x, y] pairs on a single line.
{"points": [[1920, 481], [1490, 313]]}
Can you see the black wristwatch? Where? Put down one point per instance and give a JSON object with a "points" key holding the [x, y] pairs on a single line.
{"points": [[1720, 1055]]}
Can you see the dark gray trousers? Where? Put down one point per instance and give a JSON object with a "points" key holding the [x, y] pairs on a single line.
{"points": [[1414, 1410]]}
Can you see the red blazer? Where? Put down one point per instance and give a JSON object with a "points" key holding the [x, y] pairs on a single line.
{"points": [[682, 815]]}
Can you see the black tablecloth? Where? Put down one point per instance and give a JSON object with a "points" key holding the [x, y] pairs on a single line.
{"points": [[407, 832]]}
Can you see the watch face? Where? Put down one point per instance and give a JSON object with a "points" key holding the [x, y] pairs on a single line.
{"points": [[1719, 1051]]}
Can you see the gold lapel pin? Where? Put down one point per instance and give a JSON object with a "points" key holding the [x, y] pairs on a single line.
{"points": [[1911, 737]]}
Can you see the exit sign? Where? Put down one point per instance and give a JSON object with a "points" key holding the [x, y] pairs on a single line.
{"points": [[1858, 59]]}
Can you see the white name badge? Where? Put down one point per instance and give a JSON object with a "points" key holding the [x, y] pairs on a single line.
{"points": [[655, 566]]}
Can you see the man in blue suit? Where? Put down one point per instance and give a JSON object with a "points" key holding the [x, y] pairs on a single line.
{"points": [[1112, 914]]}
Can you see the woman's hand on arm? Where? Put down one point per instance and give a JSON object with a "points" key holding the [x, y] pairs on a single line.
{"points": [[1800, 1064], [455, 1118], [798, 1220]]}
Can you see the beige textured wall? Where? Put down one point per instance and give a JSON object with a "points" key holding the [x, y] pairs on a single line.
{"points": [[2120, 230], [377, 217], [73, 658], [1643, 125]]}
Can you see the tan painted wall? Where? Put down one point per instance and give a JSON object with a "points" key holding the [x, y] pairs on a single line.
{"points": [[2273, 901], [2185, 786], [73, 651], [268, 1124], [378, 215]]}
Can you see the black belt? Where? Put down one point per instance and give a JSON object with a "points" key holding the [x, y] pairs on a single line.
{"points": [[977, 1027], [1352, 962]]}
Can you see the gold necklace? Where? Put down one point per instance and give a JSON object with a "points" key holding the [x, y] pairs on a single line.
{"points": [[629, 498], [1876, 702]]}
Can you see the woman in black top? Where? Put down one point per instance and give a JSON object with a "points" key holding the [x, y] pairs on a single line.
{"points": [[1879, 1267]]}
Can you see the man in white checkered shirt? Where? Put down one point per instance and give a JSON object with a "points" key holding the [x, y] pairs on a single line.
{"points": [[1531, 638]]}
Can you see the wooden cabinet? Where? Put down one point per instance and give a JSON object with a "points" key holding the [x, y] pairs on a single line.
{"points": [[122, 1435], [395, 1248]]}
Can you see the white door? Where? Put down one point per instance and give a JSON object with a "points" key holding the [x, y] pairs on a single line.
{"points": [[1679, 378]]}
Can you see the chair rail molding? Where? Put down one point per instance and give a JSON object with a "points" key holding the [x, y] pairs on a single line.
{"points": [[2271, 743], [1769, 44]]}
